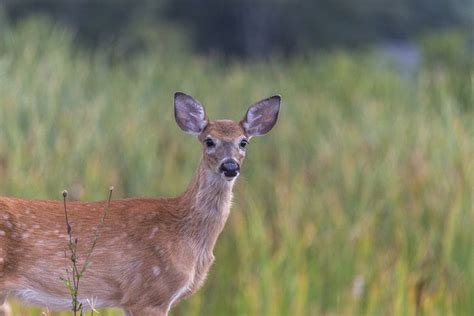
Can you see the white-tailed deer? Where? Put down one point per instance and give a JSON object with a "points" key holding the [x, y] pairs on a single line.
{"points": [[152, 252]]}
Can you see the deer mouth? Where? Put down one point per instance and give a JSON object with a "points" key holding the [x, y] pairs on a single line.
{"points": [[229, 175]]}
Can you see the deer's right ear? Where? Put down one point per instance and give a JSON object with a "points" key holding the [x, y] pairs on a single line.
{"points": [[189, 114]]}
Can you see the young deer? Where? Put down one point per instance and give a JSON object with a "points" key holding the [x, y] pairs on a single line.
{"points": [[152, 252]]}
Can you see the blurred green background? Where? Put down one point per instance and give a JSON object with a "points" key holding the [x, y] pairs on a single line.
{"points": [[359, 202]]}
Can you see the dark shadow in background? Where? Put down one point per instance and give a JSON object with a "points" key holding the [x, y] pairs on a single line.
{"points": [[256, 28]]}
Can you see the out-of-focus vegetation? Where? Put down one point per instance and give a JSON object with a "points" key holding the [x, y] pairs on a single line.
{"points": [[252, 28], [360, 201]]}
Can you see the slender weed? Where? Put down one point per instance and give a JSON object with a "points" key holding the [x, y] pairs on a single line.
{"points": [[75, 271]]}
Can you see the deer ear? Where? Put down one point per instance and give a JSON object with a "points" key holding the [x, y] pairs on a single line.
{"points": [[189, 114], [261, 117]]}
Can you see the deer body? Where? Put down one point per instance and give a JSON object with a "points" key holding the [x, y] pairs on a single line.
{"points": [[151, 253]]}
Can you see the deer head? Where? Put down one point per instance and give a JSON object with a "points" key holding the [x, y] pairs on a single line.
{"points": [[224, 141]]}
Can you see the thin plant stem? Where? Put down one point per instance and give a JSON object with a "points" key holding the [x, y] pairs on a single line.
{"points": [[73, 285]]}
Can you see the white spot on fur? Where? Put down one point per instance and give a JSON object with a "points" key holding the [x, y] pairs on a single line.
{"points": [[2, 233], [153, 232], [156, 270]]}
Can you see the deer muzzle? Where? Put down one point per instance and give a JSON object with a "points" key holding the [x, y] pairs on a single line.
{"points": [[230, 168]]}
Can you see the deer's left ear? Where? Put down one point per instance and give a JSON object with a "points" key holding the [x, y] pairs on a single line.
{"points": [[261, 117]]}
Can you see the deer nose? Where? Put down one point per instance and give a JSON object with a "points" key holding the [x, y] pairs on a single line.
{"points": [[230, 168]]}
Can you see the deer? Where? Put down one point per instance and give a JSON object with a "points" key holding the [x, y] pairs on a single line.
{"points": [[152, 252]]}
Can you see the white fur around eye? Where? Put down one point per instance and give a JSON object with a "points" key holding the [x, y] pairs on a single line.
{"points": [[212, 149]]}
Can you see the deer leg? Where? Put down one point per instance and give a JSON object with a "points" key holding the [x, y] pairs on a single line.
{"points": [[5, 309], [145, 312]]}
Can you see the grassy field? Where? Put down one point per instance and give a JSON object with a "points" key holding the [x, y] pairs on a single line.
{"points": [[360, 201]]}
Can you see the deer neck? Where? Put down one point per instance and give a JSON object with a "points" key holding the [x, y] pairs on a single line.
{"points": [[208, 200]]}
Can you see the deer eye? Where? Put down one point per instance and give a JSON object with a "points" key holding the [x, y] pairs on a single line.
{"points": [[243, 143], [209, 143]]}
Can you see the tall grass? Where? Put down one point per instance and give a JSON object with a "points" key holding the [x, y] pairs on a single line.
{"points": [[361, 201]]}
